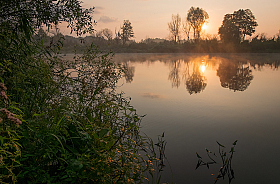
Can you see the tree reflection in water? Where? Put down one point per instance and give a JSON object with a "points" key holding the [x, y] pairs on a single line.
{"points": [[234, 76], [174, 73], [234, 71], [128, 72], [196, 82]]}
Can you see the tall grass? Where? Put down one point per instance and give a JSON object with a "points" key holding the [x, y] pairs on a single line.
{"points": [[74, 127]]}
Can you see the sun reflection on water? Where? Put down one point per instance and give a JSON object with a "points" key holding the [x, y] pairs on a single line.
{"points": [[202, 67]]}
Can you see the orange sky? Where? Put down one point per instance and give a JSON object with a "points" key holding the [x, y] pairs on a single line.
{"points": [[149, 18]]}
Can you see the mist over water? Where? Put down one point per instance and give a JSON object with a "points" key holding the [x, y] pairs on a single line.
{"points": [[198, 99]]}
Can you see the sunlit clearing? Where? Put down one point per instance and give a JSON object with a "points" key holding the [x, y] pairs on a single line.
{"points": [[204, 26], [202, 68]]}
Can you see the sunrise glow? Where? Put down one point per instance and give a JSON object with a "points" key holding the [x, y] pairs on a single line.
{"points": [[149, 20], [204, 26]]}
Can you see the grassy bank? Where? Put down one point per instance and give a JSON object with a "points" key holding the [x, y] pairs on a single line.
{"points": [[62, 121]]}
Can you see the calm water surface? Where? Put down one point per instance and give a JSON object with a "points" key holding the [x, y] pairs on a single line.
{"points": [[198, 99]]}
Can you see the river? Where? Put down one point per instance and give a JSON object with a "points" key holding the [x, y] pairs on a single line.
{"points": [[198, 99]]}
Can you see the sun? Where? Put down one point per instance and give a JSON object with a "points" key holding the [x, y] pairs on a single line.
{"points": [[204, 26]]}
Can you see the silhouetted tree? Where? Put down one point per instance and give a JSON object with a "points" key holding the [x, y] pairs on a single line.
{"points": [[245, 21], [197, 17], [117, 38], [233, 76], [237, 25], [229, 32], [107, 33], [174, 26], [126, 31]]}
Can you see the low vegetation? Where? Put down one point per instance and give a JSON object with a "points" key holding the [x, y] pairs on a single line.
{"points": [[62, 121], [258, 44]]}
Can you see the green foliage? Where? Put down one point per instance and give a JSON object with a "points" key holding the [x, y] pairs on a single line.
{"points": [[10, 152], [10, 148], [62, 121], [81, 131], [24, 69], [22, 17]]}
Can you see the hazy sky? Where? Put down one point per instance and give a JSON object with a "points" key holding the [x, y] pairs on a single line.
{"points": [[149, 18]]}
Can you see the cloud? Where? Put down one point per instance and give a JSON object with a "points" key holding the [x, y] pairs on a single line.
{"points": [[106, 19], [152, 95], [98, 9]]}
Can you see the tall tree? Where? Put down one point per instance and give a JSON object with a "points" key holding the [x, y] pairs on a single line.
{"points": [[126, 31], [174, 26], [117, 36], [245, 21], [237, 25], [229, 32], [197, 17]]}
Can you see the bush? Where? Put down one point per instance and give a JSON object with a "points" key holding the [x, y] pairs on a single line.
{"points": [[76, 128], [62, 121]]}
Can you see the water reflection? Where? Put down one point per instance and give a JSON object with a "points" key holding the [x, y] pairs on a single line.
{"points": [[235, 76], [174, 73], [202, 67], [234, 70], [212, 112], [128, 72], [194, 79]]}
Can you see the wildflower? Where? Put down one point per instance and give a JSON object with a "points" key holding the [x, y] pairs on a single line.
{"points": [[2, 91], [2, 86], [3, 95], [15, 120], [10, 116], [5, 111]]}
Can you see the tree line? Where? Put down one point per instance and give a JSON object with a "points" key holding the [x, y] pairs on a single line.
{"points": [[231, 36], [196, 18], [258, 44], [234, 27]]}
